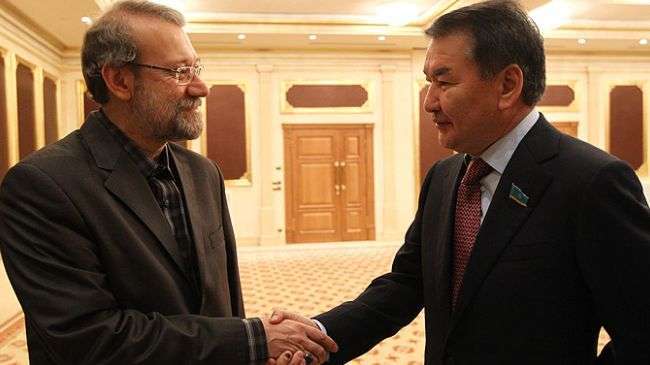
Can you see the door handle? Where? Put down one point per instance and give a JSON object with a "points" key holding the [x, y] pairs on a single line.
{"points": [[342, 175], [337, 187]]}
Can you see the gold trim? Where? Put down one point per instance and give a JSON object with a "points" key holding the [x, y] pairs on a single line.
{"points": [[81, 89], [246, 180], [367, 107], [573, 107]]}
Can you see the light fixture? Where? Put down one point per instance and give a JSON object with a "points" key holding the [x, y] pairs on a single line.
{"points": [[397, 14], [381, 38], [241, 37], [313, 37], [86, 20], [552, 15], [643, 41], [582, 41]]}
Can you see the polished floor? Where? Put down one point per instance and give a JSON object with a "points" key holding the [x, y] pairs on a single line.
{"points": [[302, 278]]}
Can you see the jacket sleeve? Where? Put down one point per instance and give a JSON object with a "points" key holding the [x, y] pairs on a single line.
{"points": [[390, 302], [53, 264], [613, 251]]}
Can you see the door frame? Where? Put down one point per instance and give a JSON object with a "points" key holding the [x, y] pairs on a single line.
{"points": [[287, 129]]}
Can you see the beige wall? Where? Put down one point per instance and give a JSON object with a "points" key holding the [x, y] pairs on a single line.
{"points": [[257, 211]]}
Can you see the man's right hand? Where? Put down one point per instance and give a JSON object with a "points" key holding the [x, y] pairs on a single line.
{"points": [[293, 336]]}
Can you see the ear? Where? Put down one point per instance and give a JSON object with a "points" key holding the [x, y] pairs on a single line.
{"points": [[119, 81], [511, 83]]}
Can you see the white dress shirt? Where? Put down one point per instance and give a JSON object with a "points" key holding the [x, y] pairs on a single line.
{"points": [[498, 155]]}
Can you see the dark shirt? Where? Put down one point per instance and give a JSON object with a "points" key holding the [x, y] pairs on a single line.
{"points": [[162, 176]]}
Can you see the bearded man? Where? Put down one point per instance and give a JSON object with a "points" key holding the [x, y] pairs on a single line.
{"points": [[118, 243]]}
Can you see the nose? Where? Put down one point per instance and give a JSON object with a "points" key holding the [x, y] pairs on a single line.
{"points": [[197, 87], [432, 101]]}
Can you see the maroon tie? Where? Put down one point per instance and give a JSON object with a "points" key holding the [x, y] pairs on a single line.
{"points": [[468, 220]]}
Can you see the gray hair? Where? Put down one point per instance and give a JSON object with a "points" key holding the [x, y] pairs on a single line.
{"points": [[109, 41]]}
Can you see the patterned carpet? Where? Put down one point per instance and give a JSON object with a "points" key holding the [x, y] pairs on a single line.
{"points": [[303, 278]]}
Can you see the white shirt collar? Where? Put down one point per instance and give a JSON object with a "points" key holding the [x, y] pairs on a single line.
{"points": [[499, 153]]}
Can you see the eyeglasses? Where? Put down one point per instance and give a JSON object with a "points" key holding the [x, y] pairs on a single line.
{"points": [[183, 75]]}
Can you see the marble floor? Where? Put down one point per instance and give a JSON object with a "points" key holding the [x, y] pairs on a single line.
{"points": [[303, 278]]}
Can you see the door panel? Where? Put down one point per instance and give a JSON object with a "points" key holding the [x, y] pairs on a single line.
{"points": [[328, 178]]}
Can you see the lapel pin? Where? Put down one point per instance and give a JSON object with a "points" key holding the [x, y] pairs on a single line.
{"points": [[518, 196]]}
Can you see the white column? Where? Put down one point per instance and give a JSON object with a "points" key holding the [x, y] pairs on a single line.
{"points": [[269, 234], [390, 231], [39, 107], [12, 108]]}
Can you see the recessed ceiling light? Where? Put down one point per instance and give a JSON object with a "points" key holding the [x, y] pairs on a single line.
{"points": [[643, 41], [86, 20], [241, 37], [397, 14], [381, 38], [313, 37], [582, 41]]}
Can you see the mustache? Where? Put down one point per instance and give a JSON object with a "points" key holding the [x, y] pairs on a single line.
{"points": [[438, 117], [189, 103]]}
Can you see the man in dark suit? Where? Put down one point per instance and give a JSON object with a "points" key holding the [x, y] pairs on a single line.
{"points": [[118, 243], [524, 243]]}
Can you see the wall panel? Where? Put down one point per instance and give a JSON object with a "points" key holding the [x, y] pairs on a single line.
{"points": [[626, 124], [4, 148], [26, 110], [226, 130], [50, 110]]}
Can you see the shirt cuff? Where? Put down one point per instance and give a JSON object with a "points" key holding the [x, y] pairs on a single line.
{"points": [[320, 325], [258, 351], [324, 330]]}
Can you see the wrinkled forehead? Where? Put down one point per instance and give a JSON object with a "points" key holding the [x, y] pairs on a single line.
{"points": [[453, 48], [161, 40]]}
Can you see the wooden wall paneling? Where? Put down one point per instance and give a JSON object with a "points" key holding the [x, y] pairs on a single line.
{"points": [[4, 136], [626, 127], [26, 110], [226, 131], [311, 185], [329, 183], [570, 128], [430, 150], [50, 110], [557, 95], [560, 96], [324, 96]]}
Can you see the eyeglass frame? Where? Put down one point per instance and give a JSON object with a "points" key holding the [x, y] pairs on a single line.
{"points": [[196, 71]]}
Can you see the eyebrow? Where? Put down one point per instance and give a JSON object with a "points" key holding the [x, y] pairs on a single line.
{"points": [[441, 71], [438, 72]]}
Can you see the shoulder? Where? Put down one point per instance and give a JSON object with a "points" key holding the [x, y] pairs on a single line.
{"points": [[61, 158], [195, 161]]}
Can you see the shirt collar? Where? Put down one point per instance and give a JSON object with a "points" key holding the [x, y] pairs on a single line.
{"points": [[144, 164], [499, 153]]}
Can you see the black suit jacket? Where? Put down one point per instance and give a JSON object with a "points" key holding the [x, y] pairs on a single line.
{"points": [[542, 278], [94, 264]]}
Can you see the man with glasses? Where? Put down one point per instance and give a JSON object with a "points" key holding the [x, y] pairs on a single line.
{"points": [[118, 243]]}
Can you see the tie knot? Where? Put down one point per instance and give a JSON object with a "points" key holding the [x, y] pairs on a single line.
{"points": [[476, 170]]}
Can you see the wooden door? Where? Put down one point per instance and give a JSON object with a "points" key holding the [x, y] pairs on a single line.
{"points": [[329, 183]]}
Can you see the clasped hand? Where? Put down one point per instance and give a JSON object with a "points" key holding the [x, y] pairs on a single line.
{"points": [[290, 337]]}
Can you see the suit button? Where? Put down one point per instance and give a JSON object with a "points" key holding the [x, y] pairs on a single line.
{"points": [[449, 360]]}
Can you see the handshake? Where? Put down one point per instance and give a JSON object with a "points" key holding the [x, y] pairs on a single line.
{"points": [[296, 340]]}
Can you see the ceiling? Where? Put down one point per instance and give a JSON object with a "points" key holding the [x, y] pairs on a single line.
{"points": [[605, 25]]}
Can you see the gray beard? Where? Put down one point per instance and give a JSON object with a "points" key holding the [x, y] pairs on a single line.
{"points": [[167, 121]]}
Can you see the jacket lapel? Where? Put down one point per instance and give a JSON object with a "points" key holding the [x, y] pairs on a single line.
{"points": [[506, 215], [442, 238], [188, 181], [128, 185]]}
